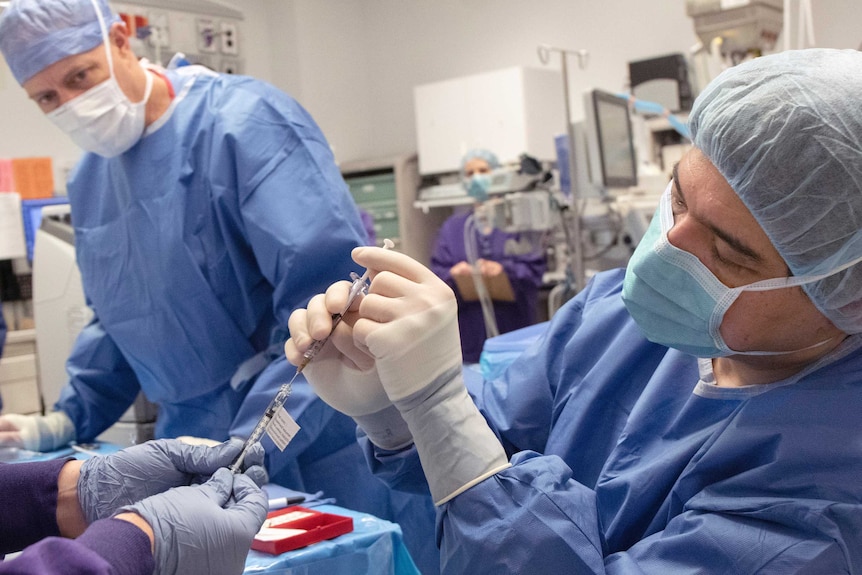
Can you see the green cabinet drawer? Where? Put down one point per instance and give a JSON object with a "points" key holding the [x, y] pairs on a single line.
{"points": [[386, 229], [382, 210], [369, 189]]}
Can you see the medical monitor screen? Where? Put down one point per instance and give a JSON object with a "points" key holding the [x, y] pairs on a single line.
{"points": [[616, 145]]}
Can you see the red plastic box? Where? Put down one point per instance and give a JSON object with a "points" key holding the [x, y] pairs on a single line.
{"points": [[294, 527]]}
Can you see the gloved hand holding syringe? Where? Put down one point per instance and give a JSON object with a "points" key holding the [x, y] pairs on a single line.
{"points": [[359, 285]]}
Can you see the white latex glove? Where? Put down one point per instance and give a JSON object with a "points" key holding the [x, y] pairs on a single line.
{"points": [[409, 323], [341, 374], [36, 432]]}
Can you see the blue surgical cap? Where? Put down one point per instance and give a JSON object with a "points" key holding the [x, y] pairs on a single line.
{"points": [[785, 131], [481, 154], [37, 33]]}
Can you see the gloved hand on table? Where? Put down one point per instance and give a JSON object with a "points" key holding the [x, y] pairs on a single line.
{"points": [[343, 375], [408, 324], [203, 529], [109, 482], [36, 432]]}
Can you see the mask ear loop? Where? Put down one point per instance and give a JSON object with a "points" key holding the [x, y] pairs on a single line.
{"points": [[105, 37], [732, 294], [107, 43]]}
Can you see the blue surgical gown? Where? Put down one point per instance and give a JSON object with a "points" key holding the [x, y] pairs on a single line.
{"points": [[628, 459], [523, 263], [194, 248]]}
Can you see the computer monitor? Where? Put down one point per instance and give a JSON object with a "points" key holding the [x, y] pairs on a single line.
{"points": [[610, 141]]}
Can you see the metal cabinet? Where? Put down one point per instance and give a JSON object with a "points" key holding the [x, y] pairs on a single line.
{"points": [[18, 373], [387, 189]]}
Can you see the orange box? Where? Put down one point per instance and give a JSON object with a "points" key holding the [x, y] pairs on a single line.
{"points": [[295, 527], [33, 178], [6, 184]]}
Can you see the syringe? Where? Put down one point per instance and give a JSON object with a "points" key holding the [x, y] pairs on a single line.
{"points": [[359, 285]]}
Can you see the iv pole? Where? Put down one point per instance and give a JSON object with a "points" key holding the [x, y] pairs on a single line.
{"points": [[576, 257]]}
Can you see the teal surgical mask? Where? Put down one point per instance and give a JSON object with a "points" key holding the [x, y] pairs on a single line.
{"points": [[677, 302], [477, 186]]}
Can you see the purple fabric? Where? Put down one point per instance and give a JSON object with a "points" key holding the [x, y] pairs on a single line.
{"points": [[28, 503], [3, 332], [524, 271], [368, 225], [28, 506], [122, 545], [2, 339]]}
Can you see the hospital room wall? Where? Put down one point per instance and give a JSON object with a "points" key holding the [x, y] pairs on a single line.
{"points": [[24, 131], [357, 62], [354, 64]]}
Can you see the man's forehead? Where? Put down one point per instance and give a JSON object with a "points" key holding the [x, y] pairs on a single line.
{"points": [[476, 163], [57, 71], [698, 181]]}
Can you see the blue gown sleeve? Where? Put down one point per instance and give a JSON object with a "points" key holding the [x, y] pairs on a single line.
{"points": [[545, 522], [102, 385], [301, 225]]}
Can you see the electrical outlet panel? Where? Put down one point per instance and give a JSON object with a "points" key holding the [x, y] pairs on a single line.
{"points": [[207, 36], [230, 66], [229, 39], [207, 60]]}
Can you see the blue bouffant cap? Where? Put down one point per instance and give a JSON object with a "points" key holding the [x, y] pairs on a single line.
{"points": [[37, 33], [785, 131], [481, 154]]}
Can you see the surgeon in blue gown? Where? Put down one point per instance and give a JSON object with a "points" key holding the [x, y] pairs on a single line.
{"points": [[697, 412], [207, 209]]}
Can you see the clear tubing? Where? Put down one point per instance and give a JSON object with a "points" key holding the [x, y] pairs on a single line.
{"points": [[472, 251]]}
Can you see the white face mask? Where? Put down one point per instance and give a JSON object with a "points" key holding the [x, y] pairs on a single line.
{"points": [[103, 120]]}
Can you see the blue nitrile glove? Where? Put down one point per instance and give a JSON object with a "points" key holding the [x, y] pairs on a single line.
{"points": [[201, 529], [128, 476]]}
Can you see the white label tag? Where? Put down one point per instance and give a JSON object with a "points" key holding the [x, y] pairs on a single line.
{"points": [[282, 429], [286, 518], [276, 534]]}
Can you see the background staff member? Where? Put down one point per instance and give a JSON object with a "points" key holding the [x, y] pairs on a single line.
{"points": [[502, 260]]}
